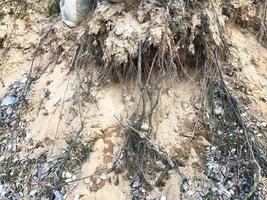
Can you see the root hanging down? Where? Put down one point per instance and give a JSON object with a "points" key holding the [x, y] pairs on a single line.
{"points": [[149, 46], [153, 59]]}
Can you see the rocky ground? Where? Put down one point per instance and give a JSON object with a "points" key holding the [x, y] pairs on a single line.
{"points": [[79, 120]]}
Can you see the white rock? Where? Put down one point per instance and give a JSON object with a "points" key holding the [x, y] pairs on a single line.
{"points": [[103, 176], [163, 198], [148, 197], [144, 127], [24, 79], [2, 191], [244, 114], [58, 195], [218, 110], [136, 184], [33, 192], [74, 177], [76, 197], [66, 175], [233, 151], [68, 180], [220, 132], [213, 148], [264, 124], [9, 100], [87, 180], [223, 191]]}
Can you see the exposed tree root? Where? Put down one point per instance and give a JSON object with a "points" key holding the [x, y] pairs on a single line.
{"points": [[150, 45]]}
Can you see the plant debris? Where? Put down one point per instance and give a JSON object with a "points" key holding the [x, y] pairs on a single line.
{"points": [[145, 100]]}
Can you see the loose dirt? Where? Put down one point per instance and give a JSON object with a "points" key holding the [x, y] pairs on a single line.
{"points": [[52, 111]]}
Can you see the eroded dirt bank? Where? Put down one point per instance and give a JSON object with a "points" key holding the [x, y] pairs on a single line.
{"points": [[149, 101]]}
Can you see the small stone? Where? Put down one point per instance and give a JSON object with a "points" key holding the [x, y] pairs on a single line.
{"points": [[103, 176], [24, 79], [47, 93], [33, 192], [219, 132], [66, 175], [255, 131], [2, 191], [213, 148], [163, 198], [229, 184], [219, 177], [136, 193], [264, 124], [259, 135], [9, 110], [148, 197], [87, 181], [9, 100], [144, 127], [136, 184], [198, 106], [68, 180], [232, 191], [185, 187], [223, 191], [205, 191], [73, 177], [233, 151], [76, 197], [190, 183], [218, 110], [98, 181], [244, 114], [143, 134], [57, 195]]}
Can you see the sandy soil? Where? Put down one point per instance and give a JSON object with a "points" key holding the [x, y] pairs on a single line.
{"points": [[251, 58], [53, 116]]}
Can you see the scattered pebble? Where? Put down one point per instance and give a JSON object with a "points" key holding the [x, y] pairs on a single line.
{"points": [[219, 132], [47, 93], [103, 176], [244, 114], [76, 197], [264, 124], [218, 110], [74, 177], [136, 184], [66, 175], [136, 193], [2, 191], [87, 181], [163, 198], [9, 100], [198, 106], [33, 192], [57, 195], [233, 151], [144, 127]]}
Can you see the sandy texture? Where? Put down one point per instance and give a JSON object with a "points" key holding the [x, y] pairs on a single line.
{"points": [[52, 115]]}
